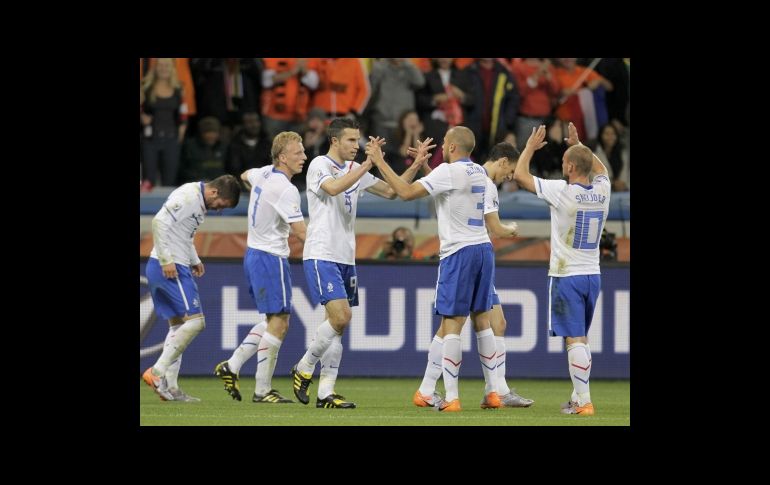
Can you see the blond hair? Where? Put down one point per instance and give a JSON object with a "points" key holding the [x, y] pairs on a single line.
{"points": [[148, 83], [280, 142]]}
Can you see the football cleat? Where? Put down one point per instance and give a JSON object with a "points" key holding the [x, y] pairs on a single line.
{"points": [[230, 379], [271, 397], [513, 400], [491, 401], [301, 381], [334, 401], [586, 410], [425, 401], [157, 384], [181, 396]]}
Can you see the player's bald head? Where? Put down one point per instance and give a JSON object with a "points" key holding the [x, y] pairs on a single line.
{"points": [[463, 138]]}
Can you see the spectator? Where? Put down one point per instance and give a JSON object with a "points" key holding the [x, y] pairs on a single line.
{"points": [[164, 121], [287, 84], [400, 246], [394, 82], [250, 147], [203, 157]]}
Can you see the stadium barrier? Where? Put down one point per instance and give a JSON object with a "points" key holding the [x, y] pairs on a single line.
{"points": [[394, 323]]}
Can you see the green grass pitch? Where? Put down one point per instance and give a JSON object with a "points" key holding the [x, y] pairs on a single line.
{"points": [[382, 402]]}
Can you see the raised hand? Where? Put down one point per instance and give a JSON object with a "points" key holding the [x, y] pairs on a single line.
{"points": [[572, 139], [535, 141]]}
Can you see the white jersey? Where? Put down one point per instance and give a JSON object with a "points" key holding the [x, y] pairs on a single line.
{"points": [[330, 230], [174, 226], [491, 201], [578, 214], [273, 205], [459, 191]]}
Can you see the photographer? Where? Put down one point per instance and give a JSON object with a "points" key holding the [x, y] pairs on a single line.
{"points": [[400, 246], [608, 246]]}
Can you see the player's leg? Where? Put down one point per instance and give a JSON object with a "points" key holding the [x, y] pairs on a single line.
{"points": [[571, 308], [426, 395], [173, 299], [326, 286], [277, 326], [339, 317], [451, 359], [482, 273], [508, 396]]}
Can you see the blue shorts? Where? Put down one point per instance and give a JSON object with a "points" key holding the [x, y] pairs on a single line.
{"points": [[269, 281], [495, 296], [465, 281], [331, 281], [175, 297], [571, 303]]}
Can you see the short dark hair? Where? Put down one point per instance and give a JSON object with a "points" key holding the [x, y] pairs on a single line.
{"points": [[504, 149], [338, 125], [228, 188]]}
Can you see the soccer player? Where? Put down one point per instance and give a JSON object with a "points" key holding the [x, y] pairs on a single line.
{"points": [[499, 168], [579, 208], [467, 266], [334, 184], [173, 263], [274, 209]]}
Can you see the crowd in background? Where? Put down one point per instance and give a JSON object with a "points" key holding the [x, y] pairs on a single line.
{"points": [[204, 117]]}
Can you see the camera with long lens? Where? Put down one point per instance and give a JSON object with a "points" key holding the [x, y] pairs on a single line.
{"points": [[398, 245], [608, 246]]}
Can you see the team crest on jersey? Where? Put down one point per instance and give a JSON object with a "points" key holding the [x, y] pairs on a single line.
{"points": [[196, 303], [176, 206], [497, 204], [330, 287]]}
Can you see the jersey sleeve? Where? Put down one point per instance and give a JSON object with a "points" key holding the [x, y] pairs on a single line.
{"points": [[317, 173], [252, 175], [601, 179], [176, 208], [367, 181], [491, 202], [438, 181], [549, 190], [288, 205]]}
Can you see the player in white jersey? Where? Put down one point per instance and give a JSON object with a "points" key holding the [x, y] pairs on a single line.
{"points": [[467, 268], [274, 209], [579, 210], [173, 263], [334, 184], [499, 168]]}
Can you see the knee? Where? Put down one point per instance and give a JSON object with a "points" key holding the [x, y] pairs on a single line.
{"points": [[196, 322], [341, 319]]}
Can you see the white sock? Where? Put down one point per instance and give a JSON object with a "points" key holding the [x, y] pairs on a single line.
{"points": [[247, 348], [330, 366], [451, 360], [177, 342], [172, 374], [433, 369], [502, 386], [323, 339], [580, 371], [267, 354], [485, 343]]}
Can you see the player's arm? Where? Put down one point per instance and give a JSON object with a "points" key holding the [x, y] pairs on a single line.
{"points": [[384, 190], [535, 142], [245, 179], [497, 228], [598, 167], [403, 189], [299, 229], [336, 186], [161, 224]]}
